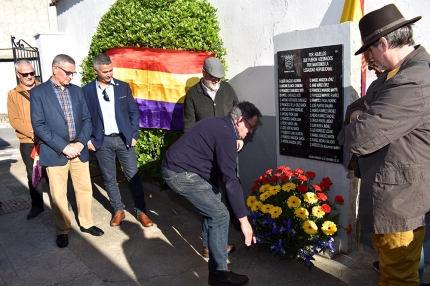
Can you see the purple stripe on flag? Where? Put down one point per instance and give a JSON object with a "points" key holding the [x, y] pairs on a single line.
{"points": [[160, 114]]}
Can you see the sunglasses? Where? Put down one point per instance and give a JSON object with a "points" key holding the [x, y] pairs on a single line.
{"points": [[26, 74], [211, 76], [68, 73]]}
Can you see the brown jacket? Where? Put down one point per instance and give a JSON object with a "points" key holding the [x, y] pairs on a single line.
{"points": [[18, 108], [392, 140]]}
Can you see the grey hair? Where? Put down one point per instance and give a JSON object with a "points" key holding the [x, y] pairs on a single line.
{"points": [[20, 63], [245, 109], [101, 59], [61, 58], [401, 37]]}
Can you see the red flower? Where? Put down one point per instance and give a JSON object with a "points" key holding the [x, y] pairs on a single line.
{"points": [[322, 197], [325, 186], [311, 175], [266, 181], [255, 187], [302, 178], [283, 169], [298, 171], [327, 180], [349, 229], [289, 173], [285, 178], [273, 179], [268, 172], [302, 188], [326, 208], [258, 180], [317, 188], [339, 200]]}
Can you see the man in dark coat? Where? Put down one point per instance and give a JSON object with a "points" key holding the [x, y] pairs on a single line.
{"points": [[392, 140]]}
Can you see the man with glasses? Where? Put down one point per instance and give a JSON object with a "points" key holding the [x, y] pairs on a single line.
{"points": [[115, 132], [206, 152], [392, 141], [211, 97], [18, 107], [62, 121]]}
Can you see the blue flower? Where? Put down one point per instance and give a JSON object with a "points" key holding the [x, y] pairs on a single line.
{"points": [[275, 229], [307, 257], [287, 227], [266, 234], [278, 248]]}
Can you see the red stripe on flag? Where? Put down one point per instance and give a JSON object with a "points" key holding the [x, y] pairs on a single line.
{"points": [[162, 60]]}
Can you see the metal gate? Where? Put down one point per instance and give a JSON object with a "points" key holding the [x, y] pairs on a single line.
{"points": [[23, 51]]}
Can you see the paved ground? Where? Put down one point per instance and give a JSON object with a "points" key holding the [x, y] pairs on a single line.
{"points": [[166, 254]]}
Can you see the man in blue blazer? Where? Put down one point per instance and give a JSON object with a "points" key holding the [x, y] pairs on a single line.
{"points": [[62, 122], [115, 120]]}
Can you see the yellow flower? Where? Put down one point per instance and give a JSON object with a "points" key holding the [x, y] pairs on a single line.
{"points": [[289, 187], [265, 187], [301, 213], [329, 227], [318, 212], [251, 201], [275, 189], [310, 197], [266, 208], [310, 227], [256, 206], [275, 212], [293, 202], [264, 196]]}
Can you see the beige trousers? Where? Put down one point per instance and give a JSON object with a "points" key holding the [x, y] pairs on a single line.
{"points": [[58, 177]]}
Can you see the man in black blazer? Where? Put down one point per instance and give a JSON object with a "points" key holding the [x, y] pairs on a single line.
{"points": [[62, 121], [115, 120]]}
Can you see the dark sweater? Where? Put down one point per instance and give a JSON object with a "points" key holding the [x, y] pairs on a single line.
{"points": [[199, 105], [209, 149]]}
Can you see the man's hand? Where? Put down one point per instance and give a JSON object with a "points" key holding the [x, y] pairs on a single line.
{"points": [[239, 145], [91, 146], [70, 151], [133, 142], [247, 231], [355, 114]]}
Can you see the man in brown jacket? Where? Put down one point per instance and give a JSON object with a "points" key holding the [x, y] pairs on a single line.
{"points": [[392, 141], [18, 107]]}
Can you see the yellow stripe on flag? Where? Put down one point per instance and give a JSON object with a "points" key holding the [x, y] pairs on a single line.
{"points": [[351, 11], [155, 85]]}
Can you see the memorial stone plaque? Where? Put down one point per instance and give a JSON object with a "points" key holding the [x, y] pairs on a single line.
{"points": [[310, 93]]}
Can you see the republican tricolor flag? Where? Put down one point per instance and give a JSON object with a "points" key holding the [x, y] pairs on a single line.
{"points": [[159, 80]]}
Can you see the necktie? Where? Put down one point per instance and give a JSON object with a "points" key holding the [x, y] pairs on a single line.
{"points": [[105, 95]]}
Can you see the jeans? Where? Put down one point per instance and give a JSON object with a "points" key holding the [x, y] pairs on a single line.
{"points": [[207, 200], [111, 148], [36, 194]]}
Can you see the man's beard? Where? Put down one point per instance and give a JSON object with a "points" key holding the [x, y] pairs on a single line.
{"points": [[211, 85]]}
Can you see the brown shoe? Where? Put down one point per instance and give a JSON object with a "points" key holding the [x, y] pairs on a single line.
{"points": [[117, 218], [230, 248], [144, 219], [226, 278]]}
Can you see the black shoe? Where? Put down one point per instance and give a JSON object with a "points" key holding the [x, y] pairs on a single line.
{"points": [[226, 278], [34, 213], [62, 240], [94, 230], [376, 266]]}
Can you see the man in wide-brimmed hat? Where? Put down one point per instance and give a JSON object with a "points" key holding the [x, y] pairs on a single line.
{"points": [[392, 140]]}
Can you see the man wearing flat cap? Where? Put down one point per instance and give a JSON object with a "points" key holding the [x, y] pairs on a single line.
{"points": [[392, 141]]}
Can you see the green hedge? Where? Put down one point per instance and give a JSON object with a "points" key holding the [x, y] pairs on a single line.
{"points": [[190, 25]]}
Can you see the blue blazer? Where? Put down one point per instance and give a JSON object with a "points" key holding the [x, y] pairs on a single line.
{"points": [[50, 125], [126, 113]]}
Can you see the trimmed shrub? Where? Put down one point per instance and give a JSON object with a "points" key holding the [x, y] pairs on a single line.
{"points": [[190, 25]]}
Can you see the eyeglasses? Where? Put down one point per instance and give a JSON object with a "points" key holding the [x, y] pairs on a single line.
{"points": [[212, 77], [105, 95], [252, 126], [26, 74], [68, 73]]}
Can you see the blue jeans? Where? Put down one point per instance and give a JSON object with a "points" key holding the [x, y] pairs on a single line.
{"points": [[111, 148], [207, 200]]}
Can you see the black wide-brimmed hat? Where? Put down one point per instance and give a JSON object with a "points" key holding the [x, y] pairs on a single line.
{"points": [[379, 23]]}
